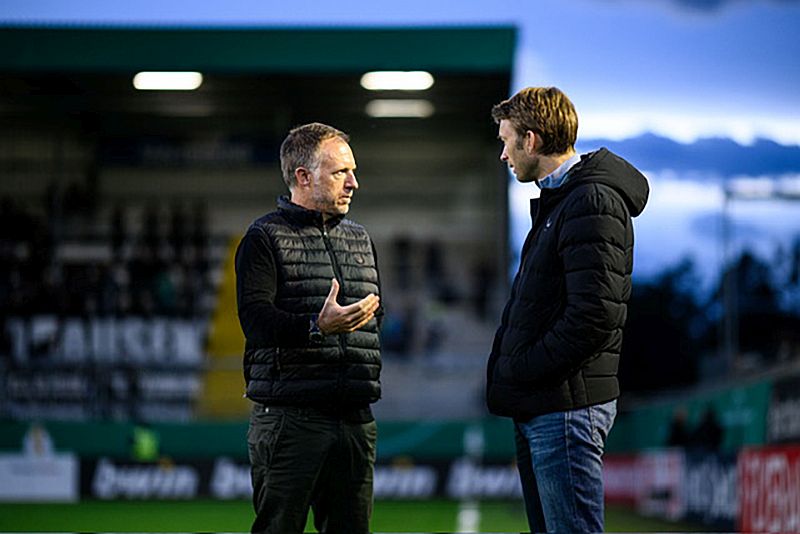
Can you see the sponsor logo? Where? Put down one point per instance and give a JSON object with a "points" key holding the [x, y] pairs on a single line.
{"points": [[111, 481], [710, 492], [230, 480], [134, 340], [405, 482], [770, 490], [468, 480], [783, 422]]}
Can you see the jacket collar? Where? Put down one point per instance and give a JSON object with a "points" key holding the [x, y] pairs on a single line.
{"points": [[560, 175], [305, 217]]}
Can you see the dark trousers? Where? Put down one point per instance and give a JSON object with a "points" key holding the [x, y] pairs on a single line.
{"points": [[300, 459]]}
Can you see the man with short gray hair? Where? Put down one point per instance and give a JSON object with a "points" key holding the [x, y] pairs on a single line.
{"points": [[308, 295]]}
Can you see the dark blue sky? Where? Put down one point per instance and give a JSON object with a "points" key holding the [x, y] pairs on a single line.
{"points": [[680, 68]]}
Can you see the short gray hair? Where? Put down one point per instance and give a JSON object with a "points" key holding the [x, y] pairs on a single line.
{"points": [[301, 148]]}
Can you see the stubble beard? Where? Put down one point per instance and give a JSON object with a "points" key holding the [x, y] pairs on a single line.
{"points": [[331, 207], [529, 172]]}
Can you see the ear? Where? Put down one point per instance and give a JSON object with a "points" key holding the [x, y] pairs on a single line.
{"points": [[302, 176], [532, 142]]}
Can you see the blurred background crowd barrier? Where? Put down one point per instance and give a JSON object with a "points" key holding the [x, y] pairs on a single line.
{"points": [[726, 458]]}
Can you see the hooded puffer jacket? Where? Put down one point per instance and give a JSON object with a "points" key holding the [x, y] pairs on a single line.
{"points": [[558, 345]]}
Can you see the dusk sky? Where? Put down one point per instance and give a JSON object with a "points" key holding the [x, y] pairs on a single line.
{"points": [[682, 69]]}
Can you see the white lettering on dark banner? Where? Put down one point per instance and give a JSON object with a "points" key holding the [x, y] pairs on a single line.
{"points": [[468, 480], [783, 421], [112, 481], [403, 482], [63, 386], [166, 386], [711, 489], [230, 480], [127, 340]]}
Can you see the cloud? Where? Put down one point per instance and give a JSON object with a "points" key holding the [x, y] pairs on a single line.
{"points": [[711, 6], [703, 5], [712, 156], [715, 5], [687, 127]]}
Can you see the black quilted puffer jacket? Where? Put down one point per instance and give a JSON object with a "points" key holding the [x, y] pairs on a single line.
{"points": [[559, 341]]}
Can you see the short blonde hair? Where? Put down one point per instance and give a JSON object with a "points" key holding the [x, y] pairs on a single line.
{"points": [[543, 110]]}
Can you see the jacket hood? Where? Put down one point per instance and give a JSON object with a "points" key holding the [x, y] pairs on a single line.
{"points": [[605, 167]]}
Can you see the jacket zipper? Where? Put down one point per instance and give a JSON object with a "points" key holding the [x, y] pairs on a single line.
{"points": [[342, 338], [339, 278]]}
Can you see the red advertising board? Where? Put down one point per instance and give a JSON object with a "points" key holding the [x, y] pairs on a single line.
{"points": [[620, 479], [652, 481], [769, 489]]}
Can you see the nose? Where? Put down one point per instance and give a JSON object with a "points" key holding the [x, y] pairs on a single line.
{"points": [[351, 182], [504, 155]]}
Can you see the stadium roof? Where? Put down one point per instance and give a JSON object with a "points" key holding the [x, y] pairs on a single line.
{"points": [[257, 81], [247, 50]]}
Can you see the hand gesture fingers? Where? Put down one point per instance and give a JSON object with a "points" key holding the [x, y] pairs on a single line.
{"points": [[333, 293], [336, 319], [363, 322], [368, 304], [359, 313]]}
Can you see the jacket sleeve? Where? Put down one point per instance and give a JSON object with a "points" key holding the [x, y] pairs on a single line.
{"points": [[380, 313], [592, 249], [493, 355], [263, 323]]}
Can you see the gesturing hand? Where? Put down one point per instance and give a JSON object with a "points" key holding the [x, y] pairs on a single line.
{"points": [[336, 319]]}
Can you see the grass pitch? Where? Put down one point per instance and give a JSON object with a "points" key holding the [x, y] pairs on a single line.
{"points": [[235, 516]]}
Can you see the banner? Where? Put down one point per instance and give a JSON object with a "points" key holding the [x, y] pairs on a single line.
{"points": [[225, 479], [38, 478], [76, 369], [674, 485], [769, 496], [620, 479], [783, 416], [741, 411], [660, 483], [47, 340], [177, 152], [710, 490]]}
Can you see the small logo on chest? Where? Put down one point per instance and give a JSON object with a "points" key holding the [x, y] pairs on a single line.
{"points": [[359, 259]]}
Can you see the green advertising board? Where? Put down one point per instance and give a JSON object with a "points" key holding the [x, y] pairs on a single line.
{"points": [[741, 411]]}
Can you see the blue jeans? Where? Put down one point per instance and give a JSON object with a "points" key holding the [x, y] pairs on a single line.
{"points": [[560, 461]]}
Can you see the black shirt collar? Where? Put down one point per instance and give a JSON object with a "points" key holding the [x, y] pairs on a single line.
{"points": [[303, 216]]}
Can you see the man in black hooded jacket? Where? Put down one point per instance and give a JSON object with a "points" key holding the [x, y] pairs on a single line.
{"points": [[553, 365]]}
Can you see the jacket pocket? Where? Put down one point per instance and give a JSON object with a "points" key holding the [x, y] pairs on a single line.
{"points": [[263, 434]]}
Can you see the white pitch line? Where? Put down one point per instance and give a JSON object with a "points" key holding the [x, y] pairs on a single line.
{"points": [[469, 517]]}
